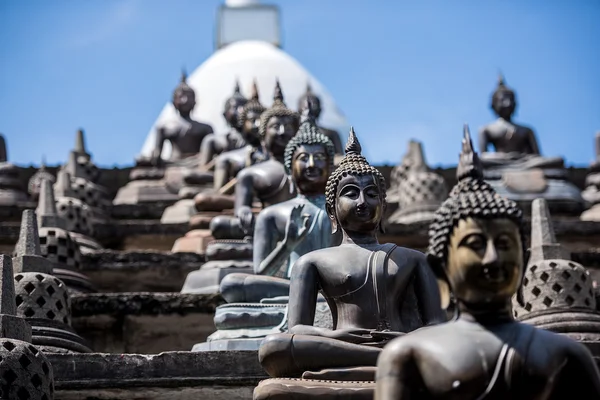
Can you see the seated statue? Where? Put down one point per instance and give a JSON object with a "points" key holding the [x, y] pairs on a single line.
{"points": [[229, 163], [375, 291], [311, 101], [517, 170], [516, 145], [286, 231], [591, 193], [266, 180], [184, 133], [215, 144], [476, 251]]}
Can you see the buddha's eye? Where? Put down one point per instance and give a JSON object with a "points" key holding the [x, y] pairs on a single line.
{"points": [[372, 192], [319, 157], [503, 242], [302, 157], [350, 192], [475, 242]]}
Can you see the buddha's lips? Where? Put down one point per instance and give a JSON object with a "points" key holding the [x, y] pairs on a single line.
{"points": [[494, 273], [312, 173]]}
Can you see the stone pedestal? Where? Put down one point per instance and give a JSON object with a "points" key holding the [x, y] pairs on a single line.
{"points": [[194, 241]]}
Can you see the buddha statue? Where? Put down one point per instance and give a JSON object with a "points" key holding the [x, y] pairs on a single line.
{"points": [[477, 252], [375, 291], [229, 163], [184, 133], [283, 233], [419, 191], [517, 170], [591, 194], [309, 100], [25, 371], [267, 181], [215, 144]]}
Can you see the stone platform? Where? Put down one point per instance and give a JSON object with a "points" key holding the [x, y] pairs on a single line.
{"points": [[146, 323], [219, 375]]}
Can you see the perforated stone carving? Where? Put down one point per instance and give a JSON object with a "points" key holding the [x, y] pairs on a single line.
{"points": [[42, 296], [77, 215]]}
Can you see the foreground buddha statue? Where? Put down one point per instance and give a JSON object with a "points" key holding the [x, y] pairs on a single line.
{"points": [[215, 144], [517, 169], [267, 180], [375, 291], [309, 100], [476, 250], [184, 133], [284, 232], [229, 163]]}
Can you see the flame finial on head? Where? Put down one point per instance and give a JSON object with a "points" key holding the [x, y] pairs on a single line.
{"points": [[353, 145], [183, 78], [278, 95], [254, 90], [468, 164], [236, 89], [501, 81]]}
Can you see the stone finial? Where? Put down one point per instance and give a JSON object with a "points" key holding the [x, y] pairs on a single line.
{"points": [[28, 256], [543, 241], [417, 156], [597, 142], [46, 209], [3, 152], [80, 142], [469, 164], [11, 326]]}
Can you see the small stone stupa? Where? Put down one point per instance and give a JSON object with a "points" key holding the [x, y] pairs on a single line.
{"points": [[556, 294], [34, 186], [591, 194], [25, 372], [420, 191], [57, 245], [41, 298], [11, 190]]}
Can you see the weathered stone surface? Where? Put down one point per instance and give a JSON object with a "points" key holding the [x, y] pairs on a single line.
{"points": [[178, 213], [172, 375], [139, 271]]}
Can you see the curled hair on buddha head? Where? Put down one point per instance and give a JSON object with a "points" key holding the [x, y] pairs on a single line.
{"points": [[471, 197], [501, 88], [237, 96], [308, 133], [311, 100], [252, 105], [183, 85], [278, 109], [353, 163]]}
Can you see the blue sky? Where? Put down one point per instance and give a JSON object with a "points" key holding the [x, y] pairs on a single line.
{"points": [[397, 69]]}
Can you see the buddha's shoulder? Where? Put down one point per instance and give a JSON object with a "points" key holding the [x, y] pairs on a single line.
{"points": [[405, 254], [202, 127]]}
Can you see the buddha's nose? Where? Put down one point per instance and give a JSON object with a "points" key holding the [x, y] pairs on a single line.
{"points": [[311, 161], [281, 130], [256, 123], [491, 255]]}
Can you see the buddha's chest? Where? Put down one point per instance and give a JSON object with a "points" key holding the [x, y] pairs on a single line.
{"points": [[507, 137]]}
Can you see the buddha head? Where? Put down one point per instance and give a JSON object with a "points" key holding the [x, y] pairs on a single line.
{"points": [[504, 102], [476, 245], [233, 106], [278, 125], [355, 192], [309, 158], [184, 97], [249, 118], [310, 101]]}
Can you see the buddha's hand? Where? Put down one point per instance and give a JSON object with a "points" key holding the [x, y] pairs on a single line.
{"points": [[296, 227], [246, 218]]}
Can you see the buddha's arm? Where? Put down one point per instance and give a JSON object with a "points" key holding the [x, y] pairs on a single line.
{"points": [[304, 287], [158, 144], [533, 144], [268, 257], [394, 367], [428, 294], [583, 372], [483, 140]]}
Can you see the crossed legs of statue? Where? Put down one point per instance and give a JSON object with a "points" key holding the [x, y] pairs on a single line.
{"points": [[246, 288]]}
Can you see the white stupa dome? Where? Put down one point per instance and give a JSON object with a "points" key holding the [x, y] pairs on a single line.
{"points": [[214, 81]]}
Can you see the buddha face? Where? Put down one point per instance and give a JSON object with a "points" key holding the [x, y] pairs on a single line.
{"points": [[314, 104], [359, 206], [504, 103], [279, 131], [233, 108], [485, 260], [184, 100], [251, 126], [310, 168]]}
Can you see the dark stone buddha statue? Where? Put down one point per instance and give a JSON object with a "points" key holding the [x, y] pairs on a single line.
{"points": [[288, 230], [375, 291], [309, 100], [184, 133], [267, 180], [214, 144], [591, 194], [476, 250], [229, 163]]}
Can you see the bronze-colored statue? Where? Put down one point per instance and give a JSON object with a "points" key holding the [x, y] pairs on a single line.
{"points": [[266, 180], [288, 230], [476, 250], [214, 144], [516, 145], [309, 100], [375, 291], [185, 134], [229, 163]]}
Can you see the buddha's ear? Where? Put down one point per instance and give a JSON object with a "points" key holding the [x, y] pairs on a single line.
{"points": [[332, 218]]}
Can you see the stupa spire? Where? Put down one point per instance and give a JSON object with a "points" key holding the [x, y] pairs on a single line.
{"points": [[46, 210], [13, 327], [28, 255], [543, 240]]}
